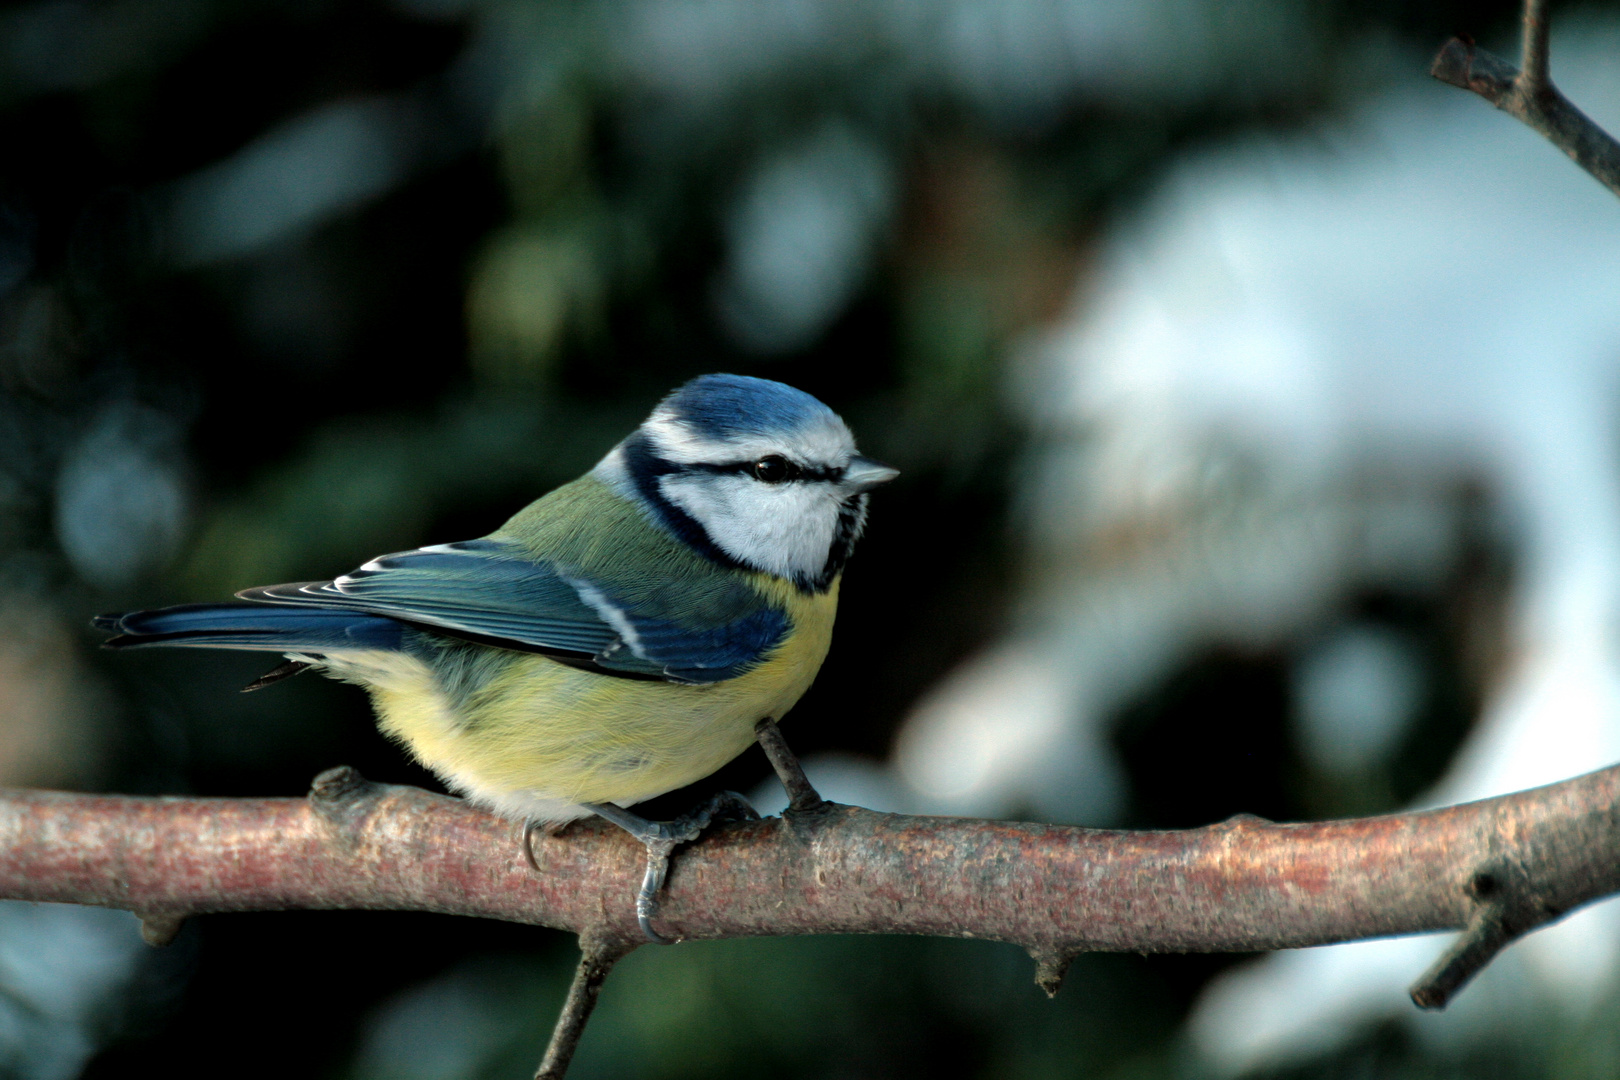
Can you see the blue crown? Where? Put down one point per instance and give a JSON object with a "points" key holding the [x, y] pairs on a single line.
{"points": [[721, 406]]}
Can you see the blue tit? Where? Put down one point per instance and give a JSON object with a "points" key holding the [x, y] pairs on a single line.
{"points": [[616, 639]]}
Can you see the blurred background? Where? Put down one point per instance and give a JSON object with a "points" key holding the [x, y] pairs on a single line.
{"points": [[1255, 398]]}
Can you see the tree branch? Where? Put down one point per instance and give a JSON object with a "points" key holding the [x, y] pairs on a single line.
{"points": [[1530, 95], [802, 795], [1500, 867], [596, 958]]}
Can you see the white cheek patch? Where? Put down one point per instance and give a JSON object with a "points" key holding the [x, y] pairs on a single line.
{"points": [[782, 529]]}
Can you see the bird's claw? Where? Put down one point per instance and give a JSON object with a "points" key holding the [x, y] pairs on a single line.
{"points": [[659, 853], [661, 838]]}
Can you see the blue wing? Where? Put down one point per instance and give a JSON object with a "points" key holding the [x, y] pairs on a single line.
{"points": [[491, 591], [252, 626]]}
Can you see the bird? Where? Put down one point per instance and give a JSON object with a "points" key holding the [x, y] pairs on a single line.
{"points": [[618, 638]]}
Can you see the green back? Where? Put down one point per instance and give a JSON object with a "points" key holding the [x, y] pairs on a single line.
{"points": [[588, 529]]}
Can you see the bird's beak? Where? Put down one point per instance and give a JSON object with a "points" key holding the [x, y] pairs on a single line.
{"points": [[864, 474]]}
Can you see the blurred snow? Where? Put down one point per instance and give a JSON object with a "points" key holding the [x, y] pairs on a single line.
{"points": [[446, 1029], [803, 226], [121, 503], [1012, 58], [1286, 1008], [333, 159], [815, 193], [298, 175], [62, 970], [1357, 692], [840, 778], [1019, 729], [998, 737], [1429, 288], [801, 238]]}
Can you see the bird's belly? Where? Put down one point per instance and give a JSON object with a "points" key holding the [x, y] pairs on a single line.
{"points": [[540, 737]]}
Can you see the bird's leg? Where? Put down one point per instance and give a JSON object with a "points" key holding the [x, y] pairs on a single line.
{"points": [[661, 838], [802, 795]]}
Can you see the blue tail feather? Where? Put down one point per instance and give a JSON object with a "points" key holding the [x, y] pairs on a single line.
{"points": [[265, 627]]}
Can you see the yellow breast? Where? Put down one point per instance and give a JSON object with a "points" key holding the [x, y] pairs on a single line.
{"points": [[541, 737]]}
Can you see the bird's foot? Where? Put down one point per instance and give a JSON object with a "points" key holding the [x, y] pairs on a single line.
{"points": [[661, 838]]}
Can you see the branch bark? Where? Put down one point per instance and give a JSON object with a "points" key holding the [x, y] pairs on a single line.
{"points": [[1500, 868], [1531, 96]]}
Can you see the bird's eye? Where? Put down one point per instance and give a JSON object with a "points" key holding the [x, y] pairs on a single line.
{"points": [[774, 468]]}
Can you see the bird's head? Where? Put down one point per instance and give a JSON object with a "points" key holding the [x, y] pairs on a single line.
{"points": [[753, 473]]}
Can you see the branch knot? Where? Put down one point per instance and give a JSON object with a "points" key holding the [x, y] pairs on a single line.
{"points": [[160, 928], [1051, 966], [341, 798]]}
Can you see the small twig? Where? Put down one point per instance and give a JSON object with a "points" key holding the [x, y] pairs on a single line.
{"points": [[802, 795], [1530, 96], [1506, 908], [1533, 45], [1485, 936], [1507, 904], [597, 955]]}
